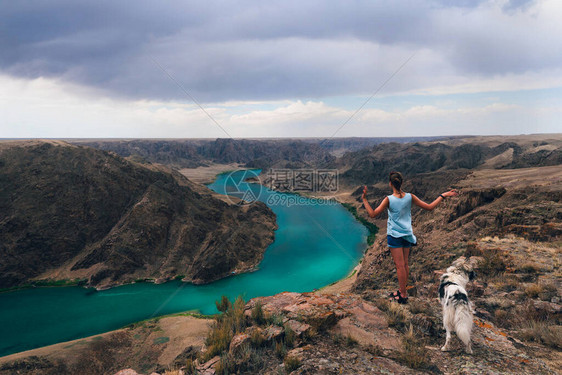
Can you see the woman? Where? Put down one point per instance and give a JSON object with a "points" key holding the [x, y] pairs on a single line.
{"points": [[399, 232]]}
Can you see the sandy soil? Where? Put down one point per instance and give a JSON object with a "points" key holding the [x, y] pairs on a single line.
{"points": [[343, 285], [182, 332], [206, 175]]}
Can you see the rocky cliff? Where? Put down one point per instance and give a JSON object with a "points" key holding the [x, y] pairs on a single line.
{"points": [[76, 213]]}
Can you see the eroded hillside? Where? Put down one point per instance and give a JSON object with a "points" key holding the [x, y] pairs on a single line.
{"points": [[75, 213]]}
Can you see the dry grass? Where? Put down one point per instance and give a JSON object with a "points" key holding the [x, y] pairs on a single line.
{"points": [[492, 263], [290, 336], [417, 306], [350, 341], [543, 333], [190, 368], [397, 315], [507, 284], [231, 322], [104, 355], [280, 349], [257, 339], [258, 315], [529, 268], [413, 353], [292, 363], [544, 291], [224, 304]]}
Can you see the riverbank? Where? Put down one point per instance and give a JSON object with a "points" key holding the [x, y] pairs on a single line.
{"points": [[147, 345]]}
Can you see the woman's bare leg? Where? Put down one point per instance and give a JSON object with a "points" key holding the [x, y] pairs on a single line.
{"points": [[398, 256], [406, 254]]}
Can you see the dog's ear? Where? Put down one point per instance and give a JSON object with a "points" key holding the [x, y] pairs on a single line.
{"points": [[474, 261], [458, 262], [471, 275]]}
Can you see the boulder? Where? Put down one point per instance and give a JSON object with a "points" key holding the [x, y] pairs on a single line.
{"points": [[237, 341], [273, 332], [298, 327], [128, 371]]}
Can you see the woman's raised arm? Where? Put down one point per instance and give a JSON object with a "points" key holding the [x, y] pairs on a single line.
{"points": [[376, 212], [430, 206]]}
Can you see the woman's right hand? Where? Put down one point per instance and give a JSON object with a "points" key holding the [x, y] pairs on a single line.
{"points": [[364, 192]]}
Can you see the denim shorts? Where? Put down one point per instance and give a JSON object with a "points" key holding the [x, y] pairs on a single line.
{"points": [[398, 242]]}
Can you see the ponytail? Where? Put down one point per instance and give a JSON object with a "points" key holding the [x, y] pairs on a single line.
{"points": [[395, 179]]}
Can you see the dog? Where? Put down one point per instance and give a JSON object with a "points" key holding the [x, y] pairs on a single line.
{"points": [[457, 309]]}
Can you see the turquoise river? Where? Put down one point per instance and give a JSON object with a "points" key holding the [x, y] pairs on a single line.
{"points": [[315, 245]]}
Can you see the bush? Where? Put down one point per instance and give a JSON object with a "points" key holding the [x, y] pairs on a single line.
{"points": [[257, 339], [218, 340], [277, 319], [529, 268], [223, 305], [397, 316], [350, 341], [492, 263], [290, 336], [280, 349], [292, 363], [257, 314], [418, 306], [229, 323], [543, 291], [503, 318], [190, 368]]}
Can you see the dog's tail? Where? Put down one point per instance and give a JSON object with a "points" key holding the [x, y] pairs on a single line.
{"points": [[463, 317]]}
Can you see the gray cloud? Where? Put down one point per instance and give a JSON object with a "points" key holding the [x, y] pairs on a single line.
{"points": [[266, 50]]}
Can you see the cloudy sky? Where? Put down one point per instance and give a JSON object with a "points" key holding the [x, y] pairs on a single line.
{"points": [[279, 68]]}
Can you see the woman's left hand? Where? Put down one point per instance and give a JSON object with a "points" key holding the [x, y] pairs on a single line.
{"points": [[451, 193]]}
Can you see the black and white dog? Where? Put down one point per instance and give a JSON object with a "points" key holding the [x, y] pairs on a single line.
{"points": [[457, 309]]}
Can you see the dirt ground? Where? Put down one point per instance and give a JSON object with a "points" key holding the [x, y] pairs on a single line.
{"points": [[168, 337], [206, 175]]}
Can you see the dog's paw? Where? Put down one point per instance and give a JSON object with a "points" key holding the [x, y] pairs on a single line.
{"points": [[444, 348], [469, 350]]}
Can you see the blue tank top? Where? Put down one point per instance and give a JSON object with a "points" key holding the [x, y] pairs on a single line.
{"points": [[399, 222]]}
